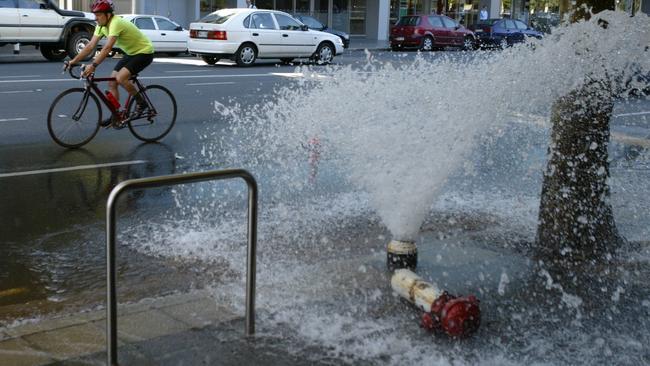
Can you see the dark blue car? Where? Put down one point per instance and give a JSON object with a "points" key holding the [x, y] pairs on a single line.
{"points": [[314, 24], [503, 32]]}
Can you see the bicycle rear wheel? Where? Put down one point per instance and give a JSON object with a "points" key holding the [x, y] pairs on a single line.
{"points": [[74, 118], [155, 123]]}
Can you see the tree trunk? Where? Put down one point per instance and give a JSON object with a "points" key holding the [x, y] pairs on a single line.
{"points": [[576, 223]]}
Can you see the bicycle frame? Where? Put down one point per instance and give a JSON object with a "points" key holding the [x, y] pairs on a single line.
{"points": [[91, 86]]}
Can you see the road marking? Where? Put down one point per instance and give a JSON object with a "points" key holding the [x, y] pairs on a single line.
{"points": [[215, 83], [21, 91], [12, 119], [631, 114], [79, 167], [147, 78], [180, 71], [19, 76]]}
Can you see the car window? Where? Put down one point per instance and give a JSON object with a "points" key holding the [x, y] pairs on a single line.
{"points": [[262, 21], [31, 4], [510, 24], [164, 24], [7, 4], [408, 21], [286, 23], [144, 23], [218, 17], [448, 22], [436, 22], [520, 24], [311, 22]]}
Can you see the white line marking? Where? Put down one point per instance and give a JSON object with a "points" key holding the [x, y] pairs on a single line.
{"points": [[180, 71], [12, 119], [631, 114], [19, 76], [79, 167], [20, 91], [146, 78], [215, 83]]}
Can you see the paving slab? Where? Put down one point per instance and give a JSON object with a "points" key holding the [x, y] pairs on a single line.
{"points": [[69, 342], [17, 352], [199, 313], [144, 325]]}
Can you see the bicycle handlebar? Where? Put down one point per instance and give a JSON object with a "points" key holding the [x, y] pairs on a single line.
{"points": [[70, 68]]}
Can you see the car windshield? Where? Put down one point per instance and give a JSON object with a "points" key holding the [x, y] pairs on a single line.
{"points": [[408, 21], [311, 22], [218, 17]]}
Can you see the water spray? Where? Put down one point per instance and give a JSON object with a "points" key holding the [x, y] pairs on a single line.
{"points": [[458, 317], [401, 254]]}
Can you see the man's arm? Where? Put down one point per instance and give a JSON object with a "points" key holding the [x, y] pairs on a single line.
{"points": [[90, 47], [101, 56]]}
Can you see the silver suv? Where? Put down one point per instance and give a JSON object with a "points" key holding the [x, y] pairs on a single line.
{"points": [[58, 33]]}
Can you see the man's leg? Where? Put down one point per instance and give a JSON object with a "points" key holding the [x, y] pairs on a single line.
{"points": [[122, 78], [112, 86]]}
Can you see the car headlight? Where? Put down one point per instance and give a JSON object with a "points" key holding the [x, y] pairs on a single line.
{"points": [[339, 40]]}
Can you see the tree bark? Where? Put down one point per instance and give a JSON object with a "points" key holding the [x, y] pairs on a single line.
{"points": [[576, 223]]}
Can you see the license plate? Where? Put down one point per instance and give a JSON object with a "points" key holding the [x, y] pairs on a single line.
{"points": [[478, 31], [399, 38], [203, 34]]}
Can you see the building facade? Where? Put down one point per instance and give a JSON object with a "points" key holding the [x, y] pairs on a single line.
{"points": [[364, 18]]}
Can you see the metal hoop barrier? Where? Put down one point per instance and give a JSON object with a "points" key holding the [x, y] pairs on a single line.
{"points": [[167, 180]]}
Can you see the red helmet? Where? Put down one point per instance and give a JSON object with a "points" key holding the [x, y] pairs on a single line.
{"points": [[102, 6]]}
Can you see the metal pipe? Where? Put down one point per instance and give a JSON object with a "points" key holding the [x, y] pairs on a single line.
{"points": [[167, 180]]}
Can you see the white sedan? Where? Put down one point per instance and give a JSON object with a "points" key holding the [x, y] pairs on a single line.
{"points": [[248, 34], [166, 35]]}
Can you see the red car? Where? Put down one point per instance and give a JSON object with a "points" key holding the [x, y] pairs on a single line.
{"points": [[428, 32]]}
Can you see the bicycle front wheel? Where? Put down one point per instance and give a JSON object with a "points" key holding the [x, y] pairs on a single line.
{"points": [[156, 122], [74, 118]]}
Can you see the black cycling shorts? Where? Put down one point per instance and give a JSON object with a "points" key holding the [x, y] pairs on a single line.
{"points": [[135, 63]]}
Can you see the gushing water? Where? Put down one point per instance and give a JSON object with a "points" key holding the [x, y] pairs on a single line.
{"points": [[398, 132]]}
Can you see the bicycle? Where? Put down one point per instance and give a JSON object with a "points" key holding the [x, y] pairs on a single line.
{"points": [[75, 115]]}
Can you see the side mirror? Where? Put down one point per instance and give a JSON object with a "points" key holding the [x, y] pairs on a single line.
{"points": [[179, 28], [304, 27]]}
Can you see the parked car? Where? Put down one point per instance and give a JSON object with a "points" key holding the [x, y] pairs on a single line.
{"points": [[57, 32], [165, 34], [503, 32], [245, 35], [315, 24], [428, 32]]}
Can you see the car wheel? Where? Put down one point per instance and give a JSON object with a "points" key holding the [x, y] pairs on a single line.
{"points": [[286, 61], [53, 53], [324, 54], [77, 43], [209, 60], [468, 44], [427, 44], [246, 55]]}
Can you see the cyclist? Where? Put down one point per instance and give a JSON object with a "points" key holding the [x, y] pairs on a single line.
{"points": [[137, 47]]}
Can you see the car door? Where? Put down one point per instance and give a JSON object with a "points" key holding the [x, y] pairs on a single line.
{"points": [[9, 20], [524, 29], [38, 21], [440, 32], [295, 41], [514, 34], [148, 28], [265, 34], [452, 31], [173, 35]]}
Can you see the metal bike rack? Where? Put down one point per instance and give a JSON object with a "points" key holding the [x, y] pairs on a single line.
{"points": [[167, 180]]}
